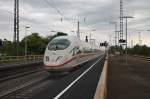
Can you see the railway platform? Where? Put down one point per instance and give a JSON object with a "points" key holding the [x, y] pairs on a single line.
{"points": [[131, 81]]}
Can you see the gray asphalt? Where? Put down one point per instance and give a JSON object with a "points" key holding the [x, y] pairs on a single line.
{"points": [[84, 88]]}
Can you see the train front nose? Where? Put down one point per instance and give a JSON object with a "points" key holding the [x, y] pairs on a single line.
{"points": [[53, 59], [55, 54]]}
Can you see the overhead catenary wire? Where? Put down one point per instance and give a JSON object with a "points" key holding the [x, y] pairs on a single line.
{"points": [[70, 5], [12, 13], [58, 12]]}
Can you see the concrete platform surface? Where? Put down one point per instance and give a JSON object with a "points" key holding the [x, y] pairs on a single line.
{"points": [[130, 81]]}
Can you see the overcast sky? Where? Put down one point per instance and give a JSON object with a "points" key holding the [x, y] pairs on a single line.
{"points": [[43, 17]]}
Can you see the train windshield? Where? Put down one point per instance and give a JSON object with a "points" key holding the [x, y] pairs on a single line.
{"points": [[58, 44]]}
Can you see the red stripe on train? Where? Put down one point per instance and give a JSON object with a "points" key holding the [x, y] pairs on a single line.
{"points": [[62, 64], [70, 60]]}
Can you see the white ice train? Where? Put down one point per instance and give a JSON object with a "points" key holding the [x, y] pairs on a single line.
{"points": [[64, 53]]}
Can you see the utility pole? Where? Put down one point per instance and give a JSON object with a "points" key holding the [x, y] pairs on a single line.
{"points": [[127, 17], [115, 33], [94, 42], [131, 43], [140, 41], [26, 46], [110, 40], [78, 30], [14, 49], [121, 20], [91, 36], [16, 26], [118, 32], [78, 27]]}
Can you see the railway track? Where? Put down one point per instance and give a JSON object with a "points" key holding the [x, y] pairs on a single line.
{"points": [[19, 86], [9, 72], [12, 93], [30, 84], [14, 78], [17, 75]]}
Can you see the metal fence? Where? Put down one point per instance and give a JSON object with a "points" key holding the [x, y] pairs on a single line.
{"points": [[21, 58], [142, 57]]}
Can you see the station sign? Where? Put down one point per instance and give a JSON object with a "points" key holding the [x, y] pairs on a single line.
{"points": [[104, 44]]}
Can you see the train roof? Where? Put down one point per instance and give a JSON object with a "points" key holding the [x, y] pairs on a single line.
{"points": [[67, 37], [74, 39]]}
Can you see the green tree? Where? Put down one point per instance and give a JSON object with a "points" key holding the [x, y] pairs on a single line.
{"points": [[140, 50], [8, 47], [36, 44]]}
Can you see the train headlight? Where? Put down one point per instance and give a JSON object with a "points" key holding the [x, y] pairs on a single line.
{"points": [[47, 58]]}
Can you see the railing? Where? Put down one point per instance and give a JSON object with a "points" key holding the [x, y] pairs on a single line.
{"points": [[142, 57], [21, 58]]}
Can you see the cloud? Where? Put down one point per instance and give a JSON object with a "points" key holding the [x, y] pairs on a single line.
{"points": [[43, 17]]}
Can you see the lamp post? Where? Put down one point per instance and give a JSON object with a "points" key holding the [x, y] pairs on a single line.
{"points": [[113, 22], [126, 17], [26, 46], [118, 32], [94, 42], [91, 36]]}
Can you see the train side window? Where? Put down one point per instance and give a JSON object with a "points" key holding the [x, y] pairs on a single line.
{"points": [[75, 50]]}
